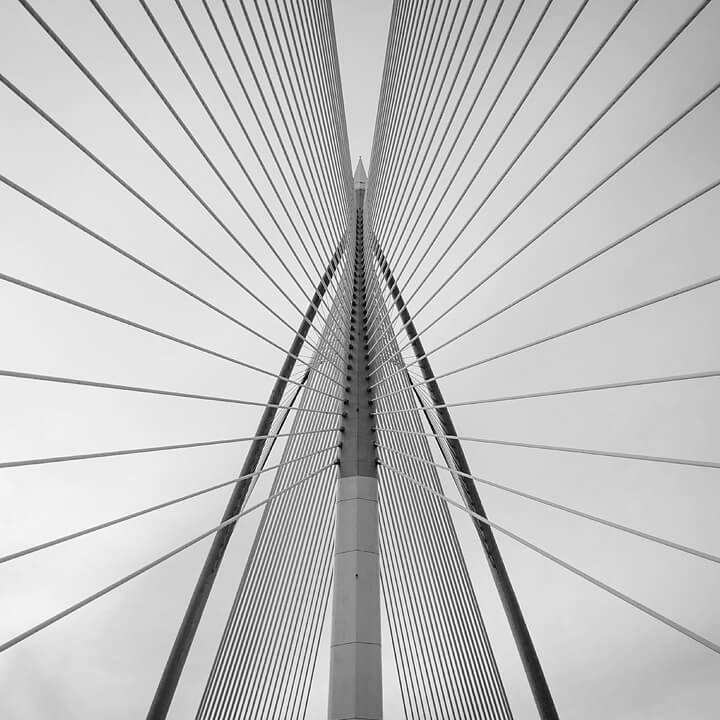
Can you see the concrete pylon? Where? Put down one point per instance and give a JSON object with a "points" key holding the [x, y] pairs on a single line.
{"points": [[355, 653]]}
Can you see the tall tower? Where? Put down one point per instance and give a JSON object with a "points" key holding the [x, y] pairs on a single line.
{"points": [[355, 653]]}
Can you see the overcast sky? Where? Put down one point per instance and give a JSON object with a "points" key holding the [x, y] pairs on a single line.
{"points": [[602, 658]]}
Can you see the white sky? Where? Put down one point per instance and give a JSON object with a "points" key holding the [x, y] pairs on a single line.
{"points": [[602, 658]]}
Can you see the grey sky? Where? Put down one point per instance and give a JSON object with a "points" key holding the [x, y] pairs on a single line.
{"points": [[603, 658]]}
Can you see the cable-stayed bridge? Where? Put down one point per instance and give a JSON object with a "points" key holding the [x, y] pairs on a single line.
{"points": [[405, 425]]}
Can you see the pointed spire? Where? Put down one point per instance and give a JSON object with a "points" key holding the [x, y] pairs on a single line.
{"points": [[360, 176]]}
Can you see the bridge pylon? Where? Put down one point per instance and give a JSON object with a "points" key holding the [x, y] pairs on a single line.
{"points": [[355, 653]]}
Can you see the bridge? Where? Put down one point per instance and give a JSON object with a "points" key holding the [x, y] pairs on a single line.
{"points": [[425, 434]]}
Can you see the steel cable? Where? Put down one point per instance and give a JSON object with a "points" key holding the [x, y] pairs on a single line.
{"points": [[576, 571], [154, 391], [455, 643], [568, 391], [95, 159], [563, 274], [137, 261], [481, 50], [407, 113], [138, 326], [481, 126], [621, 93], [582, 326], [586, 516], [113, 586]]}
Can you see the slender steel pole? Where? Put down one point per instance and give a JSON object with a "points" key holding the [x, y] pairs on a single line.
{"points": [[526, 648], [183, 641]]}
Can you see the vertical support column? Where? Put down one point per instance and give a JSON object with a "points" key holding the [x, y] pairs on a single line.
{"points": [[355, 653]]}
